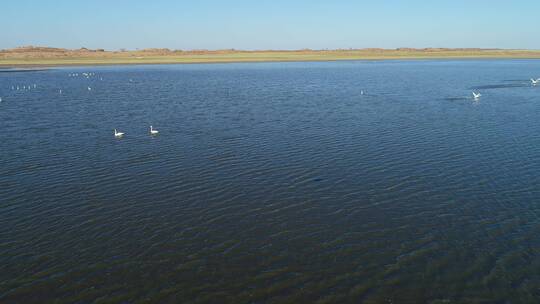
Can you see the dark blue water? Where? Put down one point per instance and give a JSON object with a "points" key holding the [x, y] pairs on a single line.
{"points": [[342, 182]]}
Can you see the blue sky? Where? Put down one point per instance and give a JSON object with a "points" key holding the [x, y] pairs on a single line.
{"points": [[270, 24]]}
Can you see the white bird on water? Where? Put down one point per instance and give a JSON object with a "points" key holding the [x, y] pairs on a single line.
{"points": [[89, 89], [118, 134], [535, 82], [476, 96], [153, 132]]}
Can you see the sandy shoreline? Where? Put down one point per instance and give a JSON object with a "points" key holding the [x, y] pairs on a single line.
{"points": [[40, 57]]}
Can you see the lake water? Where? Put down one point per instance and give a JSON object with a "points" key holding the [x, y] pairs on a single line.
{"points": [[331, 182]]}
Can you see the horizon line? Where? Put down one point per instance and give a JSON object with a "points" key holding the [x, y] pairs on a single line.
{"points": [[165, 49]]}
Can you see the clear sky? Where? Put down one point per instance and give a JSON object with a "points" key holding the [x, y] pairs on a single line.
{"points": [[270, 24]]}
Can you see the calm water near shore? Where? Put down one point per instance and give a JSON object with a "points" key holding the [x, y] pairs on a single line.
{"points": [[328, 182]]}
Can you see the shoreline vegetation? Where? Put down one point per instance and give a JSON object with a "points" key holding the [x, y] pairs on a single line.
{"points": [[31, 56]]}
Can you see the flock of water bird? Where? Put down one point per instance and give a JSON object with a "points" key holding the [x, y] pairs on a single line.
{"points": [[24, 87], [153, 132], [87, 75], [117, 134]]}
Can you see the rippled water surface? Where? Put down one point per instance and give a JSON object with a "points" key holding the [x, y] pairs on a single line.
{"points": [[343, 182]]}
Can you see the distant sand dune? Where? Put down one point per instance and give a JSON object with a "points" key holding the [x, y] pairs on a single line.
{"points": [[47, 56]]}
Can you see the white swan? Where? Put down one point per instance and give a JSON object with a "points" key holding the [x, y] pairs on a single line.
{"points": [[89, 89], [535, 82], [476, 96], [153, 132], [118, 134]]}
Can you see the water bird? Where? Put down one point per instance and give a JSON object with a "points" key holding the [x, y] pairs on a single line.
{"points": [[153, 132], [535, 82], [89, 89], [476, 96], [118, 134], [60, 91]]}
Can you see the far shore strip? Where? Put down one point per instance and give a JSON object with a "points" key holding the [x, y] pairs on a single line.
{"points": [[44, 57]]}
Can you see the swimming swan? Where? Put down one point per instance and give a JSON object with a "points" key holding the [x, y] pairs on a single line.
{"points": [[153, 132], [118, 134]]}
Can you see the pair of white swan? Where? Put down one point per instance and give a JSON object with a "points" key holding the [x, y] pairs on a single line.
{"points": [[476, 96], [121, 134]]}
